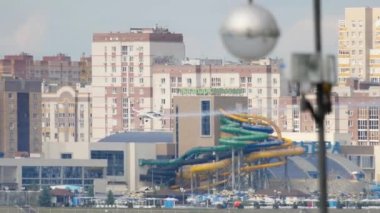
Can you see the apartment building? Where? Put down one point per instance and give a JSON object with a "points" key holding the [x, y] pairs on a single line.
{"points": [[18, 66], [355, 111], [66, 114], [260, 82], [58, 69], [359, 41], [122, 75], [20, 117]]}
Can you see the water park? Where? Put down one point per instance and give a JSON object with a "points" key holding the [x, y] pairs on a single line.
{"points": [[247, 144]]}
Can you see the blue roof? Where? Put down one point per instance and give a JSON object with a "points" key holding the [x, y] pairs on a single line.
{"points": [[140, 137]]}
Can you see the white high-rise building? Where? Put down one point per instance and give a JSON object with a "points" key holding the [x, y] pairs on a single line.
{"points": [[122, 77]]}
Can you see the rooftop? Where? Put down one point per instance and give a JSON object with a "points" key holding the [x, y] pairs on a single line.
{"points": [[140, 137]]}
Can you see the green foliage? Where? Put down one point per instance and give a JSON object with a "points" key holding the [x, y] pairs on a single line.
{"points": [[110, 198], [45, 197]]}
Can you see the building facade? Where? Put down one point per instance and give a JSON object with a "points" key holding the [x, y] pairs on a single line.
{"points": [[20, 117], [359, 41], [122, 75], [29, 173], [66, 114], [260, 83], [196, 120], [58, 69]]}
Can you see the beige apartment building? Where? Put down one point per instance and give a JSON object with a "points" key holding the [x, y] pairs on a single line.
{"points": [[359, 39], [20, 117], [66, 114], [259, 82], [122, 75]]}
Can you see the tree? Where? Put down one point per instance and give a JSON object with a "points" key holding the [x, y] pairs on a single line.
{"points": [[45, 197], [110, 198]]}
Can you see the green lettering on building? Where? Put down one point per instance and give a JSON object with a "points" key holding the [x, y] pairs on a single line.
{"points": [[211, 91]]}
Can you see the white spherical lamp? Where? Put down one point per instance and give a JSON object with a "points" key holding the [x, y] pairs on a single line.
{"points": [[249, 32]]}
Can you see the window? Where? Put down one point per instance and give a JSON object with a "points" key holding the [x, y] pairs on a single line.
{"points": [[124, 50], [242, 80], [124, 69], [367, 162], [179, 80], [373, 113], [216, 82], [350, 123], [259, 91], [66, 156], [205, 118], [232, 80], [362, 135], [188, 81], [249, 79], [259, 80], [162, 80], [115, 161], [374, 124], [275, 91], [163, 101], [362, 124]]}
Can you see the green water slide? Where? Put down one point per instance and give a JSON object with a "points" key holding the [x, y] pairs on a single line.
{"points": [[242, 137]]}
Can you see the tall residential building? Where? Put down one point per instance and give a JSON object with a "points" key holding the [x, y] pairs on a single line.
{"points": [[122, 76], [359, 33], [18, 66], [20, 117], [59, 69], [66, 114], [261, 83]]}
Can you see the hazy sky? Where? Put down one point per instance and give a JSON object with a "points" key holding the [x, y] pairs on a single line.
{"points": [[47, 27]]}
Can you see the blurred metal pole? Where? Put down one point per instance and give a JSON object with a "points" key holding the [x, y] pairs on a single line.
{"points": [[320, 115]]}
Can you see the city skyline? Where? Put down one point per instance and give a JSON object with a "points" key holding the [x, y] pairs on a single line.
{"points": [[46, 28]]}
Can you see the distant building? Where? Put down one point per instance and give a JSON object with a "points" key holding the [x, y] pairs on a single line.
{"points": [[59, 69], [355, 110], [66, 114], [197, 123], [85, 70], [359, 44], [122, 75], [18, 66], [29, 173], [260, 83], [20, 115]]}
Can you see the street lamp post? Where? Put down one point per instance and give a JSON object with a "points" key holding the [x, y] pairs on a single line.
{"points": [[250, 32]]}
